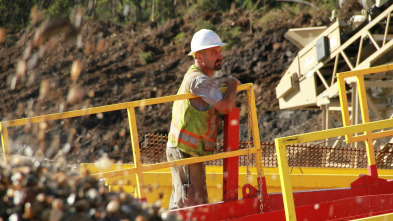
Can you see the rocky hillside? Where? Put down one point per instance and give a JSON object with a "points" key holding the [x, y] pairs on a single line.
{"points": [[56, 67]]}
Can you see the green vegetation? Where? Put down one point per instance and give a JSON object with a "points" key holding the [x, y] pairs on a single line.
{"points": [[230, 36], [146, 57], [179, 38], [200, 24], [16, 14], [276, 15]]}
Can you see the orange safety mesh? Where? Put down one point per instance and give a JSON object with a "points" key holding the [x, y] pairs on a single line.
{"points": [[299, 155]]}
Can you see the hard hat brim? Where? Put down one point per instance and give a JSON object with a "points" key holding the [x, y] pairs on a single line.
{"points": [[206, 47]]}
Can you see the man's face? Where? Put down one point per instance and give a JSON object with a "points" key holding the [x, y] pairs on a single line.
{"points": [[212, 58]]}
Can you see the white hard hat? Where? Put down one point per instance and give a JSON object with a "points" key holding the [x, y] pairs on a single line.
{"points": [[204, 39]]}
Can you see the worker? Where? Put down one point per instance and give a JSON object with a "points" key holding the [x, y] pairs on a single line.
{"points": [[195, 121]]}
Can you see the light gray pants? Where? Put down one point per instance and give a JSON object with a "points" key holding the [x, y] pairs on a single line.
{"points": [[188, 181]]}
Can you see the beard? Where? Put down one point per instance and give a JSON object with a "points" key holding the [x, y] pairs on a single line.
{"points": [[218, 65]]}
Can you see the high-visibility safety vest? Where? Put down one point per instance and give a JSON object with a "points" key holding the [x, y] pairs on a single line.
{"points": [[192, 131]]}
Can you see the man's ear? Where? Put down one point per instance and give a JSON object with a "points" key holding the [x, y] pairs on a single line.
{"points": [[198, 56]]}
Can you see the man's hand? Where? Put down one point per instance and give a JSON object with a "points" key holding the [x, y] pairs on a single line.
{"points": [[227, 103]]}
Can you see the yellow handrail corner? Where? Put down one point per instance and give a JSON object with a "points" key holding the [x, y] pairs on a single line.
{"points": [[139, 168], [348, 130]]}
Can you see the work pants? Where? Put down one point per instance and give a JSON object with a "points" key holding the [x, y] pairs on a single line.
{"points": [[188, 181]]}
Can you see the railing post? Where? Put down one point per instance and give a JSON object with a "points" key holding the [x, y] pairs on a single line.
{"points": [[285, 180], [231, 165], [344, 104], [136, 151], [4, 140], [372, 167], [261, 180]]}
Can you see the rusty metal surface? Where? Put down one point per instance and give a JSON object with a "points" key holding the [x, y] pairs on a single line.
{"points": [[299, 155]]}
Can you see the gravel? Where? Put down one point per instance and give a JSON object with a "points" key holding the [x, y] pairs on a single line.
{"points": [[32, 189]]}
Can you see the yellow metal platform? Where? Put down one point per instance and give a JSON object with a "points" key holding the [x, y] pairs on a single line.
{"points": [[302, 179]]}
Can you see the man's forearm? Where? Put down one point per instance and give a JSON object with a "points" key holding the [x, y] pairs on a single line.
{"points": [[227, 103], [230, 94]]}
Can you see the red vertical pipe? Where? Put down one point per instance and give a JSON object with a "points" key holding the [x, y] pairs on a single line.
{"points": [[231, 165], [372, 170]]}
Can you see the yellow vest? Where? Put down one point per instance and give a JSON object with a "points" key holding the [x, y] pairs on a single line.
{"points": [[192, 131]]}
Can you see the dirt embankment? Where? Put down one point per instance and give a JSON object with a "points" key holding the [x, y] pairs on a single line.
{"points": [[126, 63]]}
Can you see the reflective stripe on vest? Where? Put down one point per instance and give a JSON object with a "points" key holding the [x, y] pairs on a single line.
{"points": [[211, 131], [185, 136], [191, 139]]}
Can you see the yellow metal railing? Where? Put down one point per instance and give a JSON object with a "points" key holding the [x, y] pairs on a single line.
{"points": [[139, 168], [367, 128], [282, 161], [383, 217], [368, 137]]}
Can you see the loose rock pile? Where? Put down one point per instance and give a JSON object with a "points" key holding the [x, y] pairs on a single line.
{"points": [[39, 190]]}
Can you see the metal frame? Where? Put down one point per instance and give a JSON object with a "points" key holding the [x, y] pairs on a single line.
{"points": [[379, 33], [363, 97], [388, 216], [348, 130], [381, 47], [282, 143], [139, 167]]}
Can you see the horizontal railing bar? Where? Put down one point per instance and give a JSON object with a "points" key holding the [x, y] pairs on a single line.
{"points": [[360, 72], [335, 132], [191, 160], [373, 136], [107, 108]]}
